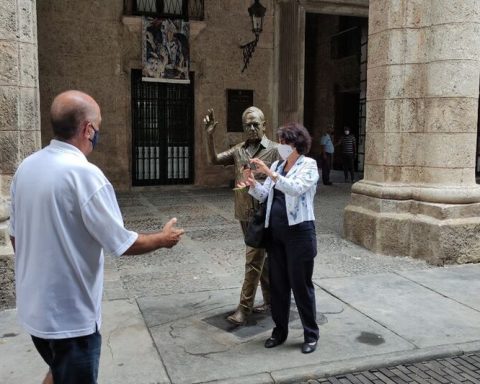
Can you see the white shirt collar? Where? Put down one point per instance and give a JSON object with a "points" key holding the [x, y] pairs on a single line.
{"points": [[63, 146]]}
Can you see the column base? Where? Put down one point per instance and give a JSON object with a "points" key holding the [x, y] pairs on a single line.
{"points": [[7, 275], [438, 233]]}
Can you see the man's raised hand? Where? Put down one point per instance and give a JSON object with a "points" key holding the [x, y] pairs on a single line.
{"points": [[209, 122]]}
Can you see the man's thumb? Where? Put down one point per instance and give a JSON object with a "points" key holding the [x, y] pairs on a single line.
{"points": [[171, 222]]}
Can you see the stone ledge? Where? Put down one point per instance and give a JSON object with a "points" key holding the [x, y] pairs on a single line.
{"points": [[443, 194], [436, 233]]}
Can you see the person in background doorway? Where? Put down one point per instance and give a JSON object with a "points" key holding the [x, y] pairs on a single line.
{"points": [[327, 149], [348, 154], [63, 216], [255, 146]]}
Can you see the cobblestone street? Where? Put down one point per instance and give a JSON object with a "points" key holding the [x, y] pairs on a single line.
{"points": [[213, 248], [454, 370]]}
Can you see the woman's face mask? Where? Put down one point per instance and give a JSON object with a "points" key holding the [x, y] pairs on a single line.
{"points": [[285, 150]]}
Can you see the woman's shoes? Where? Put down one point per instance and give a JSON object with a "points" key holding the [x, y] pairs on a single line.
{"points": [[272, 342], [309, 347]]}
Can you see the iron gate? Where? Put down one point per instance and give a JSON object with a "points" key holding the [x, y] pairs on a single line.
{"points": [[162, 132]]}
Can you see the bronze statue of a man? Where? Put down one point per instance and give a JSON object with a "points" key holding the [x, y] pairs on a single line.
{"points": [[256, 145]]}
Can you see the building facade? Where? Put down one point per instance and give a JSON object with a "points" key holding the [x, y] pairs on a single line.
{"points": [[404, 74]]}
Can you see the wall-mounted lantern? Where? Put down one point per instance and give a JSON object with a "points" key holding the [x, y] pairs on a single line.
{"points": [[257, 13]]}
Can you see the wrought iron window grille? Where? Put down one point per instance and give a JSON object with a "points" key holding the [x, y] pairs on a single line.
{"points": [[172, 9]]}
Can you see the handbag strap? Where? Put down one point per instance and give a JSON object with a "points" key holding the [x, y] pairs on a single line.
{"points": [[254, 200]]}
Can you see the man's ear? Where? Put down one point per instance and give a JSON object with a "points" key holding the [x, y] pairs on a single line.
{"points": [[85, 131]]}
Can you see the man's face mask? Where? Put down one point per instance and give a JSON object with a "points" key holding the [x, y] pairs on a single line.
{"points": [[94, 140]]}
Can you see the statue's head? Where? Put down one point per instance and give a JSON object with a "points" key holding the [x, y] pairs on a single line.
{"points": [[254, 124]]}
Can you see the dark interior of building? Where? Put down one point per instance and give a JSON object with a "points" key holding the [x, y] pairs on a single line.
{"points": [[335, 80]]}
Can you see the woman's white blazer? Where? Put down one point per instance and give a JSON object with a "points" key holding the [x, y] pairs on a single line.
{"points": [[299, 186]]}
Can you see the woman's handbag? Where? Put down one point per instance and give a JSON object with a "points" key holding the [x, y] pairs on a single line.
{"points": [[256, 234]]}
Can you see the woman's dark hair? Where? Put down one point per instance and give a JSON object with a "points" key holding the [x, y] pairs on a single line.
{"points": [[297, 135]]}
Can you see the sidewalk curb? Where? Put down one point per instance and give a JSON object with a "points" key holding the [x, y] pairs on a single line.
{"points": [[285, 376], [335, 368]]}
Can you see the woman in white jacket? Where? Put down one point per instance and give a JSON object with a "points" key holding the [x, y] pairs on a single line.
{"points": [[289, 191]]}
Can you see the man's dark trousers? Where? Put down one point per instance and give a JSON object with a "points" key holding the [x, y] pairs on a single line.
{"points": [[326, 166]]}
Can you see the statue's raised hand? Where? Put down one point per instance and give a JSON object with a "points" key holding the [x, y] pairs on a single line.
{"points": [[209, 122]]}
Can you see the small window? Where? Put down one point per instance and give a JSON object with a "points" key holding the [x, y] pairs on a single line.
{"points": [[238, 100]]}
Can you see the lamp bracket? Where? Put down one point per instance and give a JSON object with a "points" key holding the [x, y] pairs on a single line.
{"points": [[248, 50]]}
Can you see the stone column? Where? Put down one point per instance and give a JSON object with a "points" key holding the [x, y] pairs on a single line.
{"points": [[419, 197], [19, 114]]}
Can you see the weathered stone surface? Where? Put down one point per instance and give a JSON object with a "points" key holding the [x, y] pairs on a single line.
{"points": [[5, 181], [9, 149], [385, 15], [28, 115], [450, 115], [453, 79], [27, 21], [9, 63], [28, 65], [29, 142], [448, 11], [398, 46], [444, 150], [4, 210], [8, 108], [8, 20], [396, 81], [424, 236], [444, 38], [7, 281], [416, 13]]}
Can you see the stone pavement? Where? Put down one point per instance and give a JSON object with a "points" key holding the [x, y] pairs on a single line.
{"points": [[164, 313]]}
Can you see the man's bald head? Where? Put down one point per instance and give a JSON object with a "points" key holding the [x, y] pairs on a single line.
{"points": [[70, 110]]}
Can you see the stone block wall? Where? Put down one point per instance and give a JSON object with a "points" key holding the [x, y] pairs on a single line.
{"points": [[19, 115]]}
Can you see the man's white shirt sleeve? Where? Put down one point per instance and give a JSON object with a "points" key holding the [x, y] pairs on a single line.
{"points": [[104, 222]]}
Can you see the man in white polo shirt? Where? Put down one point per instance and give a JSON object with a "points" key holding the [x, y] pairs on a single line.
{"points": [[64, 214]]}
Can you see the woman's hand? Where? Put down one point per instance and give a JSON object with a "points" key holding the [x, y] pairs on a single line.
{"points": [[248, 179], [261, 167]]}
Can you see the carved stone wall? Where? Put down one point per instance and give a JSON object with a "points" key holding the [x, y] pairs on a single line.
{"points": [[19, 115]]}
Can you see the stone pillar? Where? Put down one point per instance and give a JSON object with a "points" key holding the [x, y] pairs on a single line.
{"points": [[19, 114], [419, 197], [289, 102]]}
